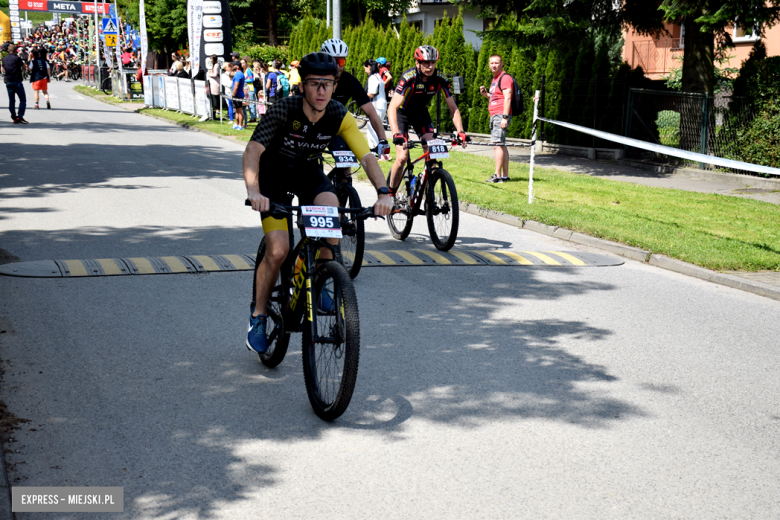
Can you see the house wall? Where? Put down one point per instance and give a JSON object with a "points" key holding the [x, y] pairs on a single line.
{"points": [[429, 13], [658, 52]]}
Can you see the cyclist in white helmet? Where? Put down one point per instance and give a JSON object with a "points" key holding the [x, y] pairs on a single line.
{"points": [[348, 87]]}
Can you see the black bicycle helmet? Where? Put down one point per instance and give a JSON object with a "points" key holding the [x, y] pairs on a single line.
{"points": [[318, 63]]}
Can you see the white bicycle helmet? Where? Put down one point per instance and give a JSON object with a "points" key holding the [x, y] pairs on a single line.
{"points": [[336, 48]]}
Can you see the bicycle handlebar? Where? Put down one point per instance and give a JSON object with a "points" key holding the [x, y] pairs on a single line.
{"points": [[283, 209]]}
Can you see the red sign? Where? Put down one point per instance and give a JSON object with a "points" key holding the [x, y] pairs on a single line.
{"points": [[63, 7]]}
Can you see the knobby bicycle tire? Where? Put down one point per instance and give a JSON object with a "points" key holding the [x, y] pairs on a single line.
{"points": [[442, 210], [353, 243], [330, 369], [360, 117], [400, 224], [277, 348]]}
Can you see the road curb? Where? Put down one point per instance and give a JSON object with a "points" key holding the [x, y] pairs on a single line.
{"points": [[633, 253]]}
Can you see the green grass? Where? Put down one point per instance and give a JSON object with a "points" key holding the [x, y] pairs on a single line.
{"points": [[713, 231], [98, 94], [35, 17], [225, 128]]}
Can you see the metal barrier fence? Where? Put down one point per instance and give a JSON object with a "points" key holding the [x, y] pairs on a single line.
{"points": [[181, 95], [687, 121], [125, 86]]}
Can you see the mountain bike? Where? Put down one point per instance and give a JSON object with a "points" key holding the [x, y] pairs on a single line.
{"points": [[434, 186], [360, 117], [331, 336], [353, 242]]}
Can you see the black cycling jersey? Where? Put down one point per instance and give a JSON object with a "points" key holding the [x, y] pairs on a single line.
{"points": [[418, 89], [290, 138], [350, 88]]}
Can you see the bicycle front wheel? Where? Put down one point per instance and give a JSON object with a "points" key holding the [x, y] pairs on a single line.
{"points": [[278, 338], [353, 242], [401, 219], [330, 359], [442, 211], [360, 117]]}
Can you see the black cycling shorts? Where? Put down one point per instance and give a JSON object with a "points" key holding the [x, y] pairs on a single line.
{"points": [[278, 182], [421, 123]]}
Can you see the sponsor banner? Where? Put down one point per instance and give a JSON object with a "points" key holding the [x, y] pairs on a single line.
{"points": [[214, 48], [194, 31], [61, 7], [668, 150], [213, 35], [144, 38], [148, 91], [171, 93], [186, 101], [213, 21], [212, 7], [160, 92], [202, 102]]}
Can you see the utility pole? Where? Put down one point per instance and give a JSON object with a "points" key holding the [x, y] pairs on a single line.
{"points": [[337, 19], [327, 13]]}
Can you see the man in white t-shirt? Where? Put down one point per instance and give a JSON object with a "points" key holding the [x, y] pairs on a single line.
{"points": [[376, 92]]}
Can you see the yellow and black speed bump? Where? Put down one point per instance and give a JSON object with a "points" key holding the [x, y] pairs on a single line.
{"points": [[371, 258]]}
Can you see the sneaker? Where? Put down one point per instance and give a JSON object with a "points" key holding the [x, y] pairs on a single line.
{"points": [[326, 304], [36, 106], [235, 127], [495, 179], [22, 120], [17, 121], [256, 338], [504, 179], [48, 105]]}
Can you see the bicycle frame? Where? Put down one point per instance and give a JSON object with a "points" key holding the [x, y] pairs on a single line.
{"points": [[422, 183]]}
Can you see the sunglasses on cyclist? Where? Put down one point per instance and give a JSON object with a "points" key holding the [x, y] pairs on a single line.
{"points": [[341, 61], [316, 84]]}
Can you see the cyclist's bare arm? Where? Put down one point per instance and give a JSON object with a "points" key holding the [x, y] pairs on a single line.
{"points": [[252, 176], [384, 203], [392, 112], [456, 120], [376, 123]]}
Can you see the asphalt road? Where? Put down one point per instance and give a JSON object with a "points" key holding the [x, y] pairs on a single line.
{"points": [[483, 392]]}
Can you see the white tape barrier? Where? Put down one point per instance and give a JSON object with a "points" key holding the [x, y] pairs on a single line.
{"points": [[668, 150]]}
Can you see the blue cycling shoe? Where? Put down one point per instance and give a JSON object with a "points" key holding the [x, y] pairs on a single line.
{"points": [[326, 305], [256, 338]]}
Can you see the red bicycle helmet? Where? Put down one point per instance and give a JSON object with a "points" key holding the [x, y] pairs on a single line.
{"points": [[426, 53]]}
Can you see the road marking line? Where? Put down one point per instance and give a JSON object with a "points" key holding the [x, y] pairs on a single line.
{"points": [[520, 259], [175, 264], [466, 258], [382, 257], [238, 262], [573, 259], [439, 259], [409, 257], [544, 258], [143, 265], [490, 257], [76, 268], [207, 263], [109, 266]]}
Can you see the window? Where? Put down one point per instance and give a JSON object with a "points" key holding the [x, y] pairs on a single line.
{"points": [[741, 34]]}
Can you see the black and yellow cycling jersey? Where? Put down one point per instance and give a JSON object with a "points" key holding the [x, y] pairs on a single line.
{"points": [[290, 138], [292, 146], [417, 90]]}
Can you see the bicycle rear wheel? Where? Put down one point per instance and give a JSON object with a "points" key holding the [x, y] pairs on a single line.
{"points": [[278, 338], [330, 360], [353, 230], [360, 117], [442, 210], [400, 222]]}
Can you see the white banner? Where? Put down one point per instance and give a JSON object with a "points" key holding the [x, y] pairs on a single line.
{"points": [[194, 32], [171, 93], [119, 47], [668, 150], [186, 102], [144, 39], [202, 102], [148, 91]]}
